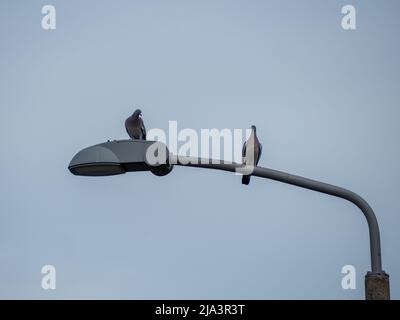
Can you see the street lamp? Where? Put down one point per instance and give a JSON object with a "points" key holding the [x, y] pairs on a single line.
{"points": [[121, 156], [117, 157]]}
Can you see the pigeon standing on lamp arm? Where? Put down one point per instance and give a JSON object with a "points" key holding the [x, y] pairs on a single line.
{"points": [[251, 152]]}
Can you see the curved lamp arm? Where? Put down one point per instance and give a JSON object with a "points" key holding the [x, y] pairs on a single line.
{"points": [[374, 236]]}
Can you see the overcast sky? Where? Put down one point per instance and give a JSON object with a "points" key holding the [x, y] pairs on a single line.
{"points": [[326, 105]]}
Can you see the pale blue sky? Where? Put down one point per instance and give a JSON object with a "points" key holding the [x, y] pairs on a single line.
{"points": [[326, 105]]}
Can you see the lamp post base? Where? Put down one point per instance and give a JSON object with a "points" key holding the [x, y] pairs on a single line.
{"points": [[377, 286]]}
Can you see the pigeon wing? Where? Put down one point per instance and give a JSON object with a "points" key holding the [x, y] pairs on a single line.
{"points": [[142, 128], [244, 150], [128, 128]]}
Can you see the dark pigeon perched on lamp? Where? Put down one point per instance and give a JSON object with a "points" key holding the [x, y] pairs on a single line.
{"points": [[135, 127], [251, 152]]}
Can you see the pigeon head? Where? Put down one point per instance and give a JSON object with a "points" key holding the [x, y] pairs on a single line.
{"points": [[137, 113], [253, 128]]}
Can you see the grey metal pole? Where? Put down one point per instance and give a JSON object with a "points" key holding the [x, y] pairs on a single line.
{"points": [[377, 281]]}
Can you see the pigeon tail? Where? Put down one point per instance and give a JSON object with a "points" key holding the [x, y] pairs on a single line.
{"points": [[246, 180]]}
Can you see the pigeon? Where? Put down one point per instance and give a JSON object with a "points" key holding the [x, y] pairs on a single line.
{"points": [[251, 152], [135, 127]]}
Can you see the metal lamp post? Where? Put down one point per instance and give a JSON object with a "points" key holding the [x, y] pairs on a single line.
{"points": [[120, 156]]}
